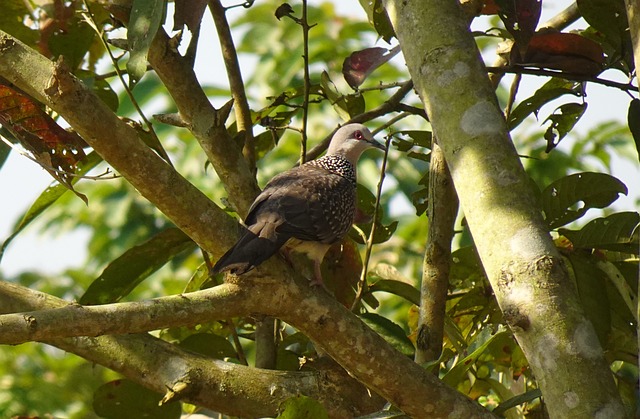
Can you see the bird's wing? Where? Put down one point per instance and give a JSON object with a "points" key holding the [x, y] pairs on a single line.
{"points": [[307, 203]]}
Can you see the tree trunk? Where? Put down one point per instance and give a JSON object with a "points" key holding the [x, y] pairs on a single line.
{"points": [[525, 269]]}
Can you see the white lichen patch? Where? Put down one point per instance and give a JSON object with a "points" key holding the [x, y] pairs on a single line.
{"points": [[481, 119], [587, 342], [520, 295], [571, 399], [524, 244], [460, 70], [547, 352], [611, 410]]}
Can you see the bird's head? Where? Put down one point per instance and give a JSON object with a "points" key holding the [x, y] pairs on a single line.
{"points": [[351, 140]]}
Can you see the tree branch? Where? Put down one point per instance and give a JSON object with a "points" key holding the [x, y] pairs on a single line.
{"points": [[524, 267], [230, 56], [441, 212], [561, 74], [204, 381], [205, 122], [117, 143]]}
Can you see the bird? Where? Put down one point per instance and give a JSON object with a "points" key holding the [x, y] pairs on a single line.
{"points": [[307, 208]]}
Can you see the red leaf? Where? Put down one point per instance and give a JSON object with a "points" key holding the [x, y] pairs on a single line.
{"points": [[520, 18], [565, 51], [360, 64], [489, 8], [57, 150]]}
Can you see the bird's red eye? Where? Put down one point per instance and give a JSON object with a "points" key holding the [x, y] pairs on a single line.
{"points": [[358, 135]]}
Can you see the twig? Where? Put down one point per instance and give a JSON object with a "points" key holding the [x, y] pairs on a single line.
{"points": [[568, 76], [367, 254], [88, 17], [390, 105], [307, 82]]}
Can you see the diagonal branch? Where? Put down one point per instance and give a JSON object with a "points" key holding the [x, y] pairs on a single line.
{"points": [[205, 122], [243, 113], [118, 143]]}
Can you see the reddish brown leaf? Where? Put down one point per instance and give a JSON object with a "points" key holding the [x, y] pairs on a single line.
{"points": [[341, 270], [565, 51], [520, 18], [57, 150], [360, 64], [490, 8]]}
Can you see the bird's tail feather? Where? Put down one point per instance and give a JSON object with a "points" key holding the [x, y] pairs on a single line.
{"points": [[249, 252]]}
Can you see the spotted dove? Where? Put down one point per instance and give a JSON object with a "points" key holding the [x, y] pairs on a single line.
{"points": [[309, 207]]}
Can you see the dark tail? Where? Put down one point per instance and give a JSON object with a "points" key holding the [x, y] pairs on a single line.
{"points": [[249, 252]]}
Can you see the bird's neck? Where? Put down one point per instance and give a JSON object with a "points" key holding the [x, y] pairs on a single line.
{"points": [[338, 164]]}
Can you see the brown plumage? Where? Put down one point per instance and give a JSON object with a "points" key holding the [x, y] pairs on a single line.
{"points": [[314, 203]]}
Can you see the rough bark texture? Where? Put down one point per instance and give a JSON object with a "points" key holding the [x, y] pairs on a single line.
{"points": [[442, 210], [525, 269]]}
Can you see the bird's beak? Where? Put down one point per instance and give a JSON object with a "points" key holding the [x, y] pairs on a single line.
{"points": [[376, 144]]}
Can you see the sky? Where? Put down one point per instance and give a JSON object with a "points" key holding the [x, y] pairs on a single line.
{"points": [[22, 181]]}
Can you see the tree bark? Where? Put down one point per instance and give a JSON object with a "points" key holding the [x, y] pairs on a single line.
{"points": [[525, 269], [441, 212]]}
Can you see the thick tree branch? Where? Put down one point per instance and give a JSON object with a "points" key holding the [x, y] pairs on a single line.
{"points": [[207, 382], [118, 144], [441, 212], [524, 267], [205, 122], [316, 314]]}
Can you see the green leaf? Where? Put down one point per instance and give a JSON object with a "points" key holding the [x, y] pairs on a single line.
{"points": [[398, 288], [490, 346], [551, 90], [346, 106], [302, 407], [146, 17], [562, 122], [131, 268], [591, 285], [126, 399], [210, 345], [5, 150], [73, 43], [378, 17], [390, 331], [570, 197], [633, 118], [618, 232], [606, 16], [50, 196], [12, 21], [517, 400]]}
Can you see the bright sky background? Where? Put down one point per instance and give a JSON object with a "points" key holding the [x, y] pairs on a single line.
{"points": [[22, 181]]}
